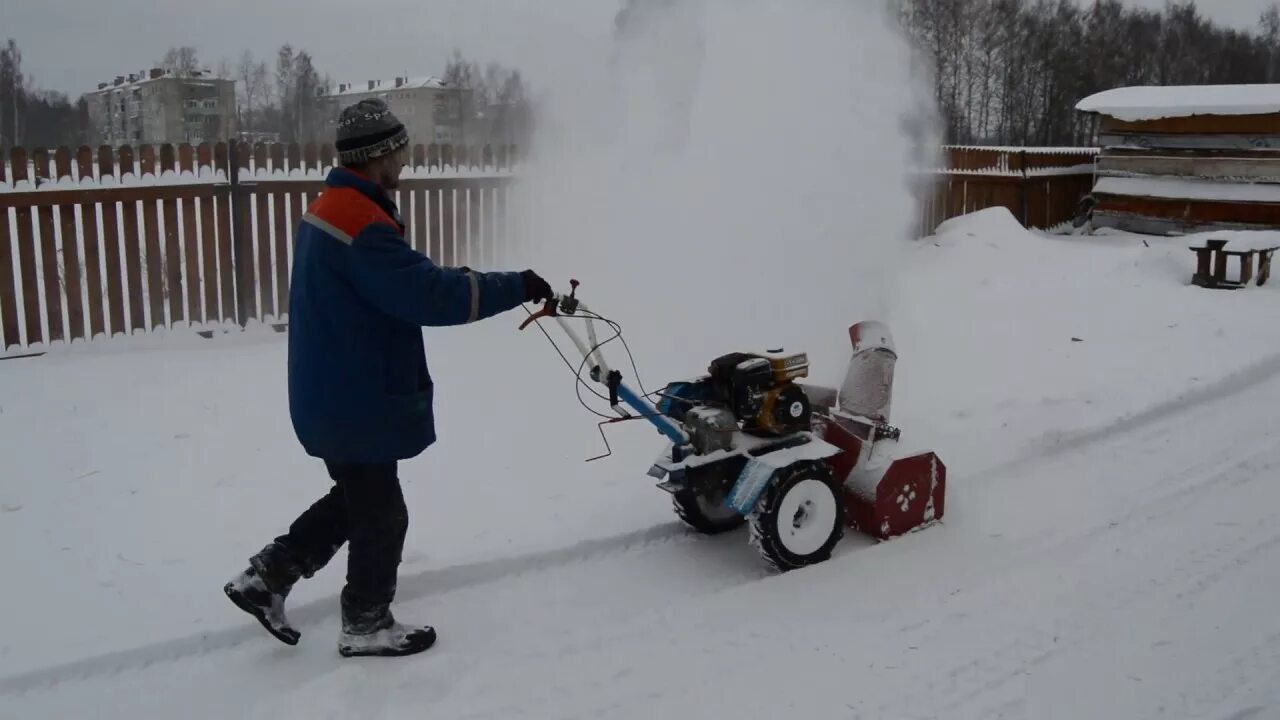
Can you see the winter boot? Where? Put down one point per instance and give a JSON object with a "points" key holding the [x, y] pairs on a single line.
{"points": [[375, 632], [261, 589]]}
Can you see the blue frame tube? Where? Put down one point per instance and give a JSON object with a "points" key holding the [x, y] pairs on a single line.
{"points": [[650, 413]]}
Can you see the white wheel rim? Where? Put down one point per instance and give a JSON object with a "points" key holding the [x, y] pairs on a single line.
{"points": [[806, 517]]}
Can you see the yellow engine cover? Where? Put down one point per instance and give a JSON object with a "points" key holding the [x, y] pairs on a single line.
{"points": [[788, 367]]}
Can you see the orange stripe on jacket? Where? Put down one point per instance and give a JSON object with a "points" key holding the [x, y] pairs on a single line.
{"points": [[348, 211]]}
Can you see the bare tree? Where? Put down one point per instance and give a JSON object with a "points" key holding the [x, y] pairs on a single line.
{"points": [[12, 95], [308, 86], [285, 91], [299, 89], [1011, 71], [181, 61], [1270, 27], [254, 83]]}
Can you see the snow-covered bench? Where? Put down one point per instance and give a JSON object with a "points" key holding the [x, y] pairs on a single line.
{"points": [[1212, 257]]}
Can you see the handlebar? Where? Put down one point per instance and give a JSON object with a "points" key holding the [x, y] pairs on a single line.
{"points": [[566, 304]]}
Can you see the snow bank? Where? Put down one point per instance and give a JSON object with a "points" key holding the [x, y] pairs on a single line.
{"points": [[1155, 102], [995, 222]]}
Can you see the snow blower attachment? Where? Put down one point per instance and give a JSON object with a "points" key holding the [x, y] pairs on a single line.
{"points": [[796, 463]]}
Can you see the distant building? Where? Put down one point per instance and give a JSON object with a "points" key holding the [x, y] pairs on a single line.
{"points": [[158, 107], [430, 109]]}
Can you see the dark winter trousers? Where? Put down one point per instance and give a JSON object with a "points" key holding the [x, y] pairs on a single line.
{"points": [[365, 508]]}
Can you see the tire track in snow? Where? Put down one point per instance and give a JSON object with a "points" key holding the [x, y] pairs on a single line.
{"points": [[1244, 458], [1260, 660], [1033, 644], [412, 586], [1202, 475], [1054, 444]]}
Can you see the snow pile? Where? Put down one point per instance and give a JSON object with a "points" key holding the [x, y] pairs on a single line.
{"points": [[1156, 102]]}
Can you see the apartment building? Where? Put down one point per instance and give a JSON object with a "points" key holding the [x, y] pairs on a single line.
{"points": [[157, 107], [430, 109]]}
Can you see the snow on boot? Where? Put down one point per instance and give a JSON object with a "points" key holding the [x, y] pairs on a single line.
{"points": [[378, 634], [261, 589], [250, 594]]}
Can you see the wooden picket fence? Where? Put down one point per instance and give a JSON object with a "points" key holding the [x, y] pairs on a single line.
{"points": [[1042, 187], [119, 241]]}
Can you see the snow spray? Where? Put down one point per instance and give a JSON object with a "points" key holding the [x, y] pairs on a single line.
{"points": [[726, 175]]}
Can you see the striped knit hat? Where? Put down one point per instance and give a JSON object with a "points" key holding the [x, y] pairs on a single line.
{"points": [[368, 130]]}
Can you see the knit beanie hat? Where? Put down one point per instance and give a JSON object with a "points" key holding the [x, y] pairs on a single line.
{"points": [[368, 130]]}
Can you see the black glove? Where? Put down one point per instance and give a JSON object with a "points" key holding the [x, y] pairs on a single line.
{"points": [[535, 288]]}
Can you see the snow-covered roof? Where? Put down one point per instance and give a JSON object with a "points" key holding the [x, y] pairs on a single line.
{"points": [[202, 77], [1155, 102], [362, 88]]}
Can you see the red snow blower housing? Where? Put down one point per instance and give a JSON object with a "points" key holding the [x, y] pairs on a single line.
{"points": [[797, 463]]}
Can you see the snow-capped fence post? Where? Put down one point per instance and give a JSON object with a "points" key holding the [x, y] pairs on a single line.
{"points": [[89, 213], [155, 258], [49, 255], [132, 253], [70, 255], [8, 290], [26, 246], [191, 238], [111, 245], [209, 239], [226, 237], [241, 240], [1023, 190], [171, 248]]}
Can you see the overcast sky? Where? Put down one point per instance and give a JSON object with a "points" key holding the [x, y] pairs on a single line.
{"points": [[72, 45]]}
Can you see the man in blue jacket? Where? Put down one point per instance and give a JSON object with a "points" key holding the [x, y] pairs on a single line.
{"points": [[360, 393]]}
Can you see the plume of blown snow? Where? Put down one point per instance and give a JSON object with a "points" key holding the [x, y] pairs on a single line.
{"points": [[727, 175]]}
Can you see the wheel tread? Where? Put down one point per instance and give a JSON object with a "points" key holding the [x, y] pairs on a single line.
{"points": [[768, 546], [686, 508]]}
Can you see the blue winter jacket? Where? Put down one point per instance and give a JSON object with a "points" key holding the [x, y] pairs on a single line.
{"points": [[359, 387]]}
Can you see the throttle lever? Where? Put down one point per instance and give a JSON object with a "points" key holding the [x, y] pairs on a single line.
{"points": [[569, 305]]}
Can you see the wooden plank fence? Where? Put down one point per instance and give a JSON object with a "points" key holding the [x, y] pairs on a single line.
{"points": [[1042, 187], [179, 236], [119, 241]]}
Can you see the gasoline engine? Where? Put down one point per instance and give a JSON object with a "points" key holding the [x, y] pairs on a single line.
{"points": [[754, 393]]}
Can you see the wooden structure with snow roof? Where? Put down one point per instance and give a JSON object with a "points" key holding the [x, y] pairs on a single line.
{"points": [[1187, 158]]}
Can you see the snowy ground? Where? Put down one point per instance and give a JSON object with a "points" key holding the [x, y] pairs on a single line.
{"points": [[1109, 549]]}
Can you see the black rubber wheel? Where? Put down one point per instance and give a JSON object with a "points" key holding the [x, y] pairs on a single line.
{"points": [[704, 515], [800, 517]]}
